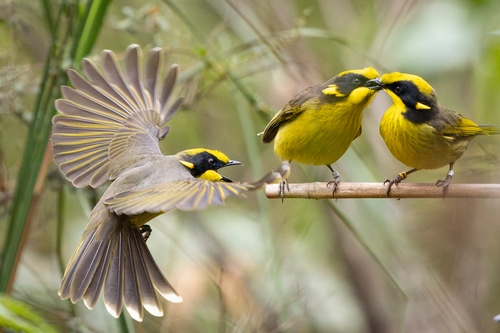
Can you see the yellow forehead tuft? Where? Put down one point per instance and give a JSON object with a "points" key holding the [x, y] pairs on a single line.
{"points": [[421, 84], [368, 72], [218, 154]]}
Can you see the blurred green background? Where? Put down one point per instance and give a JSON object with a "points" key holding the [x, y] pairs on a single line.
{"points": [[258, 265]]}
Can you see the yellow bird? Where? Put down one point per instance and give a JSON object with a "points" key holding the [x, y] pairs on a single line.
{"points": [[318, 125], [109, 131], [420, 132]]}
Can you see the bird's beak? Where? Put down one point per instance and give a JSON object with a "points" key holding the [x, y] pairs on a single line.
{"points": [[233, 162], [229, 163], [375, 84]]}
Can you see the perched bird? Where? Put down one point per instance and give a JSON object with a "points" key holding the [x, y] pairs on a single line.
{"points": [[318, 125], [419, 131], [109, 131]]}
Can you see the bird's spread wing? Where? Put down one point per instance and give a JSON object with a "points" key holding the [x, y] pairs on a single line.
{"points": [[111, 119], [189, 194]]}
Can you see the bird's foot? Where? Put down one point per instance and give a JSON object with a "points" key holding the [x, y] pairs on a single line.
{"points": [[145, 231], [284, 172], [399, 178], [283, 186], [446, 182], [334, 183]]}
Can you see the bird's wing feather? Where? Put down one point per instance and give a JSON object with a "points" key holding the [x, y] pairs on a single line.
{"points": [[189, 194], [452, 124], [114, 118], [467, 127], [287, 113], [305, 100]]}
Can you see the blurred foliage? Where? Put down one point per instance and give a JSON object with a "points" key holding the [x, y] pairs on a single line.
{"points": [[70, 26], [258, 265], [16, 316]]}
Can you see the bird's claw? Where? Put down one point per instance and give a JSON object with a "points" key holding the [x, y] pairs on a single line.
{"points": [[284, 173], [334, 183], [391, 182], [447, 181], [283, 185]]}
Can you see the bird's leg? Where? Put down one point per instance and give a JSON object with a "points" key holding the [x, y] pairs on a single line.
{"points": [[283, 185], [284, 171], [399, 178], [336, 179], [449, 176], [145, 231]]}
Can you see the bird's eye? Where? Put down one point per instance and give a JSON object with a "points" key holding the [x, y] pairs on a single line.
{"points": [[356, 81], [211, 161], [397, 90]]}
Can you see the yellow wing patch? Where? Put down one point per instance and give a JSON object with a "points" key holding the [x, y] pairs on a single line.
{"points": [[463, 127], [469, 128]]}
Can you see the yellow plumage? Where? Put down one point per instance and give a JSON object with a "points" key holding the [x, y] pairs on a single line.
{"points": [[419, 131], [319, 137], [319, 124]]}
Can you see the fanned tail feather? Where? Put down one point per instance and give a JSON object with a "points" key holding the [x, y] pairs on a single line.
{"points": [[113, 255]]}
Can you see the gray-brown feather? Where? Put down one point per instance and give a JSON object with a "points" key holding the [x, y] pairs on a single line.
{"points": [[110, 104], [113, 255]]}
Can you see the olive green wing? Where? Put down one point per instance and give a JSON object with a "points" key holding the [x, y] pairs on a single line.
{"points": [[467, 127], [187, 195], [111, 119], [452, 124], [301, 102]]}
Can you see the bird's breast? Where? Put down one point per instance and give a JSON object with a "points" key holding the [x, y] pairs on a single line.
{"points": [[419, 146], [318, 136]]}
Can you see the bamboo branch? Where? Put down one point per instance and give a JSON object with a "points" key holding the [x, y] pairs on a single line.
{"points": [[348, 190]]}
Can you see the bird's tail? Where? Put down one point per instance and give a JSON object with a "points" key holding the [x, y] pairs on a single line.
{"points": [[97, 108], [490, 129], [113, 256]]}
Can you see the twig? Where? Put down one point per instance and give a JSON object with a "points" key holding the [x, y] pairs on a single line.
{"points": [[348, 190]]}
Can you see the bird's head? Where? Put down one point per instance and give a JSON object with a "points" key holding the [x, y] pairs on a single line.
{"points": [[204, 163], [351, 84], [406, 90]]}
